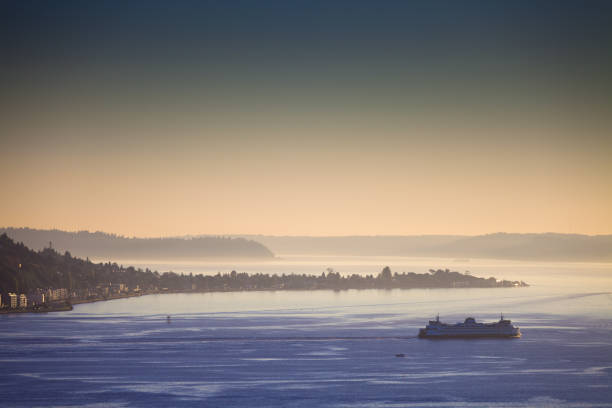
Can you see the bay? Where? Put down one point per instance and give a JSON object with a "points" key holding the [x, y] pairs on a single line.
{"points": [[322, 348]]}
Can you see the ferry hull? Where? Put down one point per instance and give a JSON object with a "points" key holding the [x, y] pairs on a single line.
{"points": [[470, 329], [425, 335]]}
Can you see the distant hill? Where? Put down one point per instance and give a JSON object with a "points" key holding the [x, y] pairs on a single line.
{"points": [[105, 246], [542, 247], [537, 247]]}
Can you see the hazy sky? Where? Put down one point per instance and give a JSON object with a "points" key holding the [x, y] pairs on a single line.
{"points": [[306, 117]]}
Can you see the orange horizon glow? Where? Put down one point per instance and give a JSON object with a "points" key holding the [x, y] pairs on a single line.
{"points": [[347, 187], [399, 119]]}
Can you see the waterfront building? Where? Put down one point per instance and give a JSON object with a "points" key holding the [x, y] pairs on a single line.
{"points": [[12, 300], [23, 300], [117, 288], [58, 294]]}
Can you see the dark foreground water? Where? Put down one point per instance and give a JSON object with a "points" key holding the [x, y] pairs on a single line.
{"points": [[319, 349]]}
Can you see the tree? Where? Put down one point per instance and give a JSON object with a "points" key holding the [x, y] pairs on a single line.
{"points": [[385, 274]]}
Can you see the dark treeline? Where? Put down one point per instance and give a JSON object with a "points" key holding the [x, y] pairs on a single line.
{"points": [[110, 246], [23, 270], [333, 280]]}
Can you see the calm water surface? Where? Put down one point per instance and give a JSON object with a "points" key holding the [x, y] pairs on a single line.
{"points": [[322, 348]]}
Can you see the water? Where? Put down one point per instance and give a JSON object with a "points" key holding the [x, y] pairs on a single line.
{"points": [[322, 348]]}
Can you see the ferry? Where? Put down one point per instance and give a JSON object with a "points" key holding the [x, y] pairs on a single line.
{"points": [[470, 329]]}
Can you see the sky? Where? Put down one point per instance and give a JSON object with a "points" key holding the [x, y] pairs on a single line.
{"points": [[306, 117]]}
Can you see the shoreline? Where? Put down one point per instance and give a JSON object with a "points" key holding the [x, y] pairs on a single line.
{"points": [[68, 305]]}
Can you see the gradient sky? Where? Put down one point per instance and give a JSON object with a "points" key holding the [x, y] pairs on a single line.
{"points": [[306, 117]]}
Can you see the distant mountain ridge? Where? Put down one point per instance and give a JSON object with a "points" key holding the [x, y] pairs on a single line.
{"points": [[109, 246], [510, 246]]}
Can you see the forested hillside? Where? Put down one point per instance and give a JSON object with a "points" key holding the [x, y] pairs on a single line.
{"points": [[23, 270], [100, 245]]}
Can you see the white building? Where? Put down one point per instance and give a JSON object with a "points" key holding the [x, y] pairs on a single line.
{"points": [[57, 294], [13, 300], [23, 300]]}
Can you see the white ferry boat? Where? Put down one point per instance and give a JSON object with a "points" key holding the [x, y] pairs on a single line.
{"points": [[469, 328]]}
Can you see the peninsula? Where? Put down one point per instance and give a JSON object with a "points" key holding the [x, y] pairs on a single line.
{"points": [[47, 280]]}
